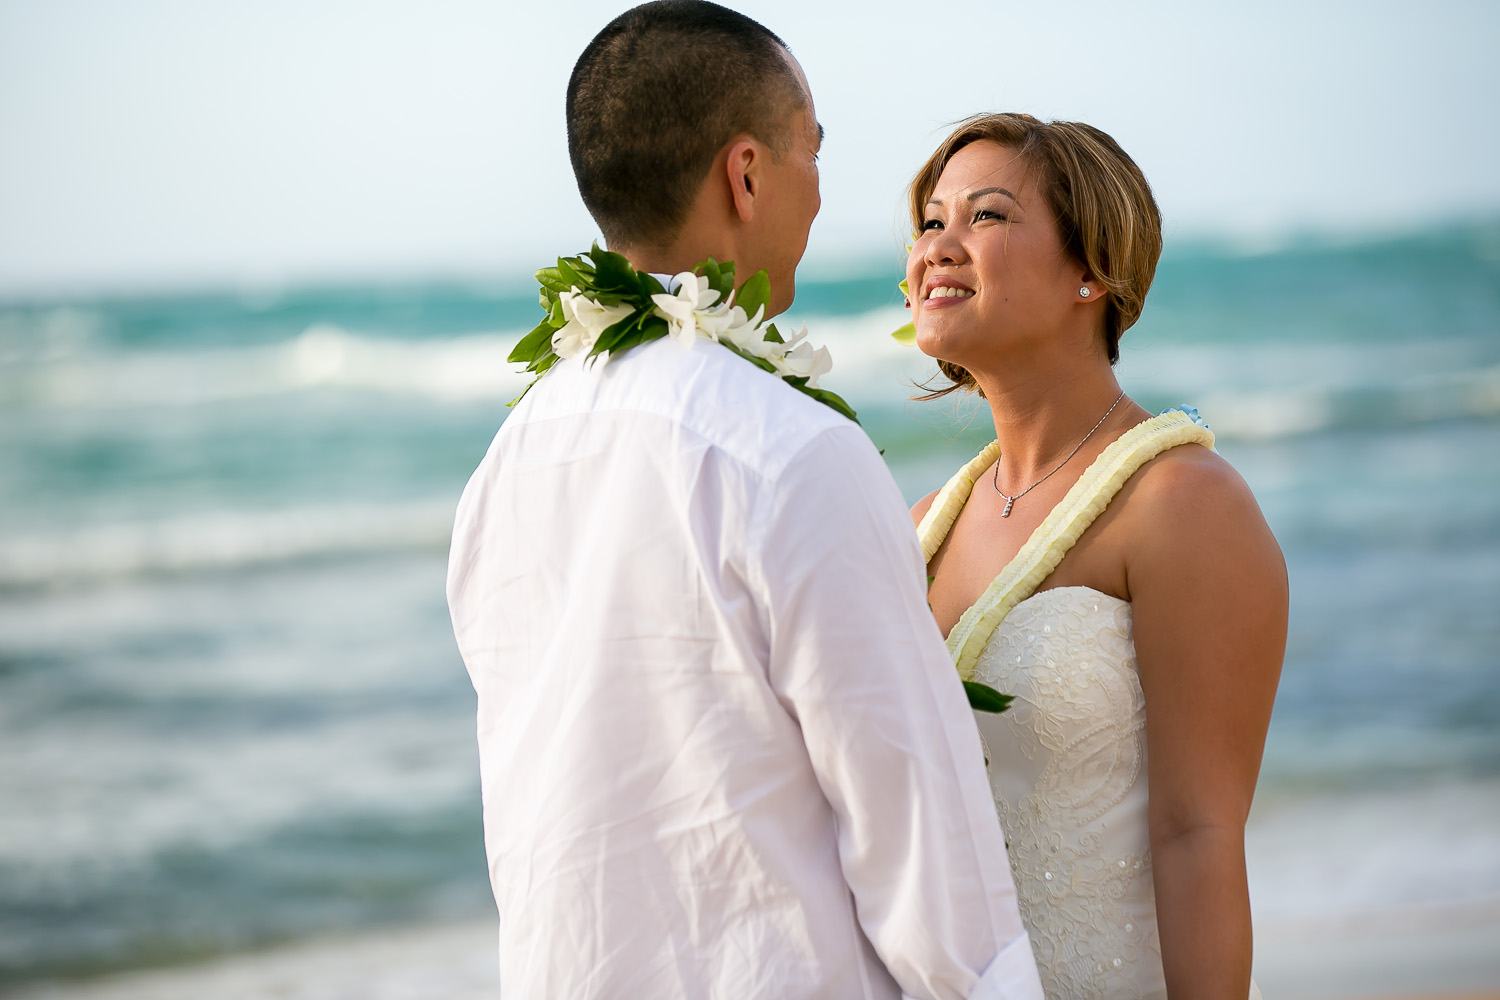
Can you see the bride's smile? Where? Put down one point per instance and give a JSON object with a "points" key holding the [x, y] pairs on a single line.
{"points": [[989, 265], [942, 291]]}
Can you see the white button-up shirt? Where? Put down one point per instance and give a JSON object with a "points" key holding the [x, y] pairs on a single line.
{"points": [[723, 750]]}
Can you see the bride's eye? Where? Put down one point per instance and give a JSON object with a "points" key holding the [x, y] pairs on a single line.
{"points": [[985, 213], [931, 225]]}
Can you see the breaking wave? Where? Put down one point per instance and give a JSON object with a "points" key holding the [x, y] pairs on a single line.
{"points": [[322, 357], [222, 541]]}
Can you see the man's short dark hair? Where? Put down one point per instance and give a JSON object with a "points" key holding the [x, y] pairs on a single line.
{"points": [[654, 98]]}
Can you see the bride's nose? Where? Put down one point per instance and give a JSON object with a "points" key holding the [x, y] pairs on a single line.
{"points": [[946, 248]]}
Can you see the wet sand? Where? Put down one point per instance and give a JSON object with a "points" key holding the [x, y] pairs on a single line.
{"points": [[1450, 954]]}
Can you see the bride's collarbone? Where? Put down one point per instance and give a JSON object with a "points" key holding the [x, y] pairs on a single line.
{"points": [[983, 542]]}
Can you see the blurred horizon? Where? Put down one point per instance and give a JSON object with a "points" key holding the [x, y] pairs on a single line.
{"points": [[517, 282]]}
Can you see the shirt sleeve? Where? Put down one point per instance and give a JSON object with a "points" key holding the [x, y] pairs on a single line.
{"points": [[858, 660]]}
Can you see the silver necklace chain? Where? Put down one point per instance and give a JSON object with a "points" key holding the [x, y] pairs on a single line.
{"points": [[1010, 501]]}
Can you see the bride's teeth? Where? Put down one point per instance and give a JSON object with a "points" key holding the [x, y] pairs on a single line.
{"points": [[950, 292]]}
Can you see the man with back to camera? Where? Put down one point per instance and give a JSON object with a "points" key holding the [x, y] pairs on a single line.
{"points": [[723, 750]]}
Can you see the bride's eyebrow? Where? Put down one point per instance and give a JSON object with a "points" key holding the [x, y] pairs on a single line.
{"points": [[975, 195], [972, 196]]}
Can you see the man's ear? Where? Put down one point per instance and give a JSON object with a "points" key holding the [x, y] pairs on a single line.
{"points": [[744, 165]]}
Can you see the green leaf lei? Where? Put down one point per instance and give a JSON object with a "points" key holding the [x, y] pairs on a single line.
{"points": [[983, 698], [599, 306]]}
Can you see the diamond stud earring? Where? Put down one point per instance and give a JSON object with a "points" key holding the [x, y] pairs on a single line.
{"points": [[1084, 291]]}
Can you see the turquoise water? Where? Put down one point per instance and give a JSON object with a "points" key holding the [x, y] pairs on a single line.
{"points": [[231, 712]]}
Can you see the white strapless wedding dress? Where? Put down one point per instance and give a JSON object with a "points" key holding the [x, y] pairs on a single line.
{"points": [[1067, 760], [1067, 766]]}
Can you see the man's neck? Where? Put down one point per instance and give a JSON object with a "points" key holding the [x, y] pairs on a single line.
{"points": [[684, 254]]}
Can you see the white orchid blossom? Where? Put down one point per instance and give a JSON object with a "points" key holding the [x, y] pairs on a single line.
{"points": [[572, 339], [689, 311], [587, 320], [800, 360], [714, 322], [740, 330]]}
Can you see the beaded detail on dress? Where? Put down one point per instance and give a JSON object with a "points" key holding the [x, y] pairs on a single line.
{"points": [[1067, 769]]}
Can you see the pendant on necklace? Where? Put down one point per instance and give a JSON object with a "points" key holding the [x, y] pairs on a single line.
{"points": [[1009, 503]]}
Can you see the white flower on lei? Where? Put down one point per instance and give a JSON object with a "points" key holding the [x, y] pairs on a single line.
{"points": [[587, 320], [798, 359], [794, 358], [740, 330], [689, 311], [692, 312], [806, 362]]}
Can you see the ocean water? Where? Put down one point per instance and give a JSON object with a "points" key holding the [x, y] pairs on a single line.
{"points": [[232, 713]]}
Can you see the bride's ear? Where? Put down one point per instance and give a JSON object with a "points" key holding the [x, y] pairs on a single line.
{"points": [[743, 166], [1089, 289]]}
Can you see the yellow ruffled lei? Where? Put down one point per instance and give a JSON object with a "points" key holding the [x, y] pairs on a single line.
{"points": [[1055, 535]]}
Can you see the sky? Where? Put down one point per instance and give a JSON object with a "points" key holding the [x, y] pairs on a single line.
{"points": [[175, 144]]}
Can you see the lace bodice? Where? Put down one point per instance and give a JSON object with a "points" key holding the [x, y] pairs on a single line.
{"points": [[1067, 766]]}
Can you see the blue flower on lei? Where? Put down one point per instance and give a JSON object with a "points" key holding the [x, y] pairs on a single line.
{"points": [[1192, 412]]}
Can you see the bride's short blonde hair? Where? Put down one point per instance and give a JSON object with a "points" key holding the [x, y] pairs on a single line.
{"points": [[1106, 215]]}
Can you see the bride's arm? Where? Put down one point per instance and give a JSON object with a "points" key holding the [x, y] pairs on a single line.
{"points": [[1208, 590]]}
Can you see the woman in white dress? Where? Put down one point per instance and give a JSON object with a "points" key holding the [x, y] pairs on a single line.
{"points": [[1104, 566]]}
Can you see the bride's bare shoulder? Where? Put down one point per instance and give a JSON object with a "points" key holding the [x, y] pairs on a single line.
{"points": [[1187, 480], [1189, 505]]}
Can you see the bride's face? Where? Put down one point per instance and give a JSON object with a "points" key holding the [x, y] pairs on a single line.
{"points": [[988, 274]]}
